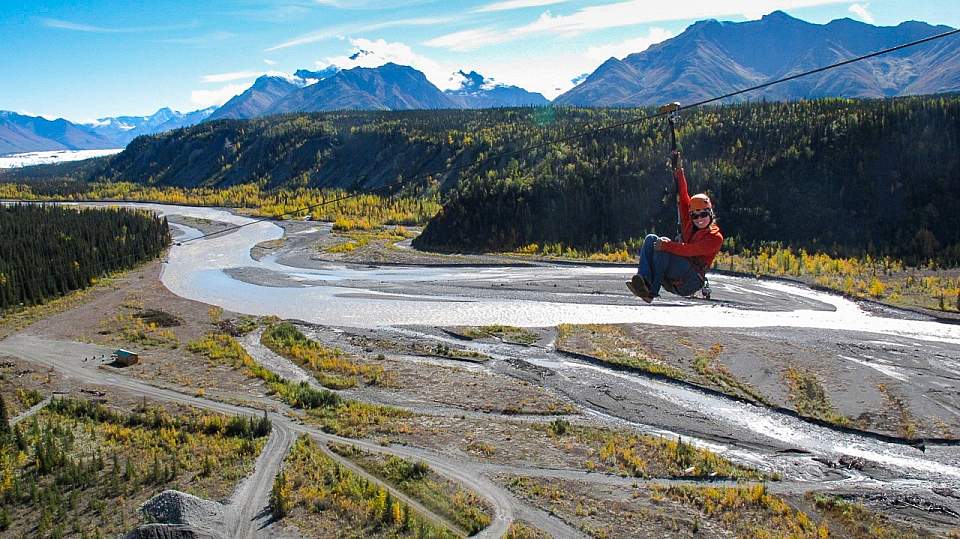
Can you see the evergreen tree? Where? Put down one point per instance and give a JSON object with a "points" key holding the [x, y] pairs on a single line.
{"points": [[4, 419]]}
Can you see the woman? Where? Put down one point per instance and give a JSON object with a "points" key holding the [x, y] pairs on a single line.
{"points": [[680, 267]]}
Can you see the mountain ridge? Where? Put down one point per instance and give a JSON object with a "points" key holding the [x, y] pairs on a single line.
{"points": [[717, 57]]}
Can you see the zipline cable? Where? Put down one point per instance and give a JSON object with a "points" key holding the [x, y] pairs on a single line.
{"points": [[525, 149], [586, 132]]}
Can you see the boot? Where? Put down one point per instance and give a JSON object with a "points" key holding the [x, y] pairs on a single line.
{"points": [[640, 288]]}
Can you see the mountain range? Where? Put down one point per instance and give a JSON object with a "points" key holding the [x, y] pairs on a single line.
{"points": [[709, 58], [21, 133], [714, 58], [123, 129], [388, 87]]}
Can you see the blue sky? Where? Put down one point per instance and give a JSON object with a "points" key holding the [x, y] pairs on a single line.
{"points": [[97, 58]]}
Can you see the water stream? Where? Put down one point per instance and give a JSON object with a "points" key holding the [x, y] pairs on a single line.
{"points": [[334, 294]]}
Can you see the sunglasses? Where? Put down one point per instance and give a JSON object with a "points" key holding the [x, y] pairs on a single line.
{"points": [[699, 214]]}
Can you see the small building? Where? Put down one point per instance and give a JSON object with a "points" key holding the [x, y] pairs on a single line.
{"points": [[126, 357]]}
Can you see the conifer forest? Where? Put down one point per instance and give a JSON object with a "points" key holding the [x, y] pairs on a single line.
{"points": [[47, 251]]}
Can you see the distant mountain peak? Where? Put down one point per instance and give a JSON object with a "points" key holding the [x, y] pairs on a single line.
{"points": [[779, 15], [475, 91], [474, 82]]}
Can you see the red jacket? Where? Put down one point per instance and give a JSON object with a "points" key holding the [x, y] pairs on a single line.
{"points": [[700, 246]]}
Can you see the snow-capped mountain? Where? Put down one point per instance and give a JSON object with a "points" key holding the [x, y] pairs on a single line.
{"points": [[478, 92]]}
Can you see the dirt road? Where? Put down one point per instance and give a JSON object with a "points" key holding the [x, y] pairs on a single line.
{"points": [[251, 495]]}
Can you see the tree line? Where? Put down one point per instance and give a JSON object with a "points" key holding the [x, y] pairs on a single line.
{"points": [[47, 250]]}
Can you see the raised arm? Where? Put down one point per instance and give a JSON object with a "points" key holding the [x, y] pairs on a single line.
{"points": [[683, 196]]}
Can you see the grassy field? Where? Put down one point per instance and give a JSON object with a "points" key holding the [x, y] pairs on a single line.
{"points": [[322, 498], [81, 468]]}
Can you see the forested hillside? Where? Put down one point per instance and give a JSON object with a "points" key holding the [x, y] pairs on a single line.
{"points": [[47, 251], [842, 176]]}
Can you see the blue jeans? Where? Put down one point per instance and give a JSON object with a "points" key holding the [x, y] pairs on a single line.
{"points": [[670, 271]]}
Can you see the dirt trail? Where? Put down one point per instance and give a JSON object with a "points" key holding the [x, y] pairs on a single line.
{"points": [[55, 354], [30, 411], [249, 506]]}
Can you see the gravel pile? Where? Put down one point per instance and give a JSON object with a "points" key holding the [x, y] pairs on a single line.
{"points": [[189, 514], [168, 531]]}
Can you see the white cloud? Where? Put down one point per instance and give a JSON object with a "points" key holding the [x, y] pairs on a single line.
{"points": [[269, 62], [516, 4], [547, 79], [233, 75], [549, 75], [243, 75], [601, 53], [552, 73], [81, 27], [860, 10], [336, 31], [219, 96], [468, 40], [307, 38], [379, 52], [619, 14]]}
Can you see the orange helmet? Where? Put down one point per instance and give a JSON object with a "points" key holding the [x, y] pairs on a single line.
{"points": [[700, 202]]}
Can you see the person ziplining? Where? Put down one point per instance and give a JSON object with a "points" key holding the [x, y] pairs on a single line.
{"points": [[679, 266]]}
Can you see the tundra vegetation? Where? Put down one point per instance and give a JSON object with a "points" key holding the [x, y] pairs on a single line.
{"points": [[15, 399], [315, 493], [360, 233], [610, 344], [79, 467], [521, 530]]}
